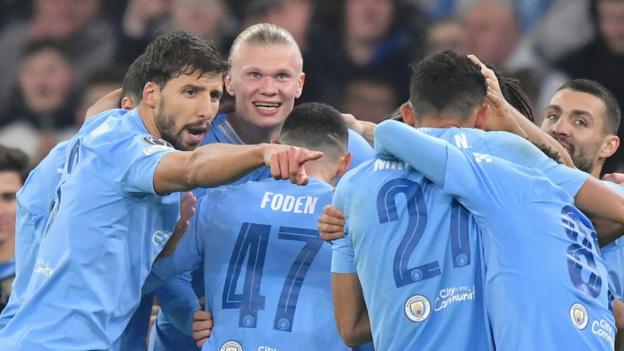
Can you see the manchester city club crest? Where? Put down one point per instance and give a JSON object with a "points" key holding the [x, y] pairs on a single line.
{"points": [[417, 308], [231, 346], [579, 316]]}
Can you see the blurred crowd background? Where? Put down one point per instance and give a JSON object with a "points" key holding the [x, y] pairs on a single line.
{"points": [[59, 56]]}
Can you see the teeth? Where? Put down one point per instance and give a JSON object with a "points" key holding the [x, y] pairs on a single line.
{"points": [[266, 105]]}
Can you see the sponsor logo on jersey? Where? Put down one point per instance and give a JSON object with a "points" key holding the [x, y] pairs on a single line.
{"points": [[417, 308], [449, 296], [231, 346], [579, 316], [43, 267], [604, 330]]}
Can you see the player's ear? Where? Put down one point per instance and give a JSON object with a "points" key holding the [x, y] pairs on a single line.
{"points": [[345, 162], [228, 84], [407, 112], [127, 103], [300, 81], [609, 146], [151, 94], [482, 116]]}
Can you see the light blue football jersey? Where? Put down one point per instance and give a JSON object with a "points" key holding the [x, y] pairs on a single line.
{"points": [[266, 270], [34, 200], [416, 253], [104, 231], [613, 254], [531, 234], [168, 332]]}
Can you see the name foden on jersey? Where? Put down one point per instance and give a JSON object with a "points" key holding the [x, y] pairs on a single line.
{"points": [[289, 203]]}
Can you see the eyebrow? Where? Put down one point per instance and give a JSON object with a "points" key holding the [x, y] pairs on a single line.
{"points": [[193, 86], [573, 112]]}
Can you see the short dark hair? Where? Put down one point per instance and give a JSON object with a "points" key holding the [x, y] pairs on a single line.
{"points": [[612, 114], [133, 82], [316, 126], [14, 160], [446, 81], [168, 56]]}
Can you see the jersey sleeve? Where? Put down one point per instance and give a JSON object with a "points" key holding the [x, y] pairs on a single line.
{"points": [[178, 301], [479, 181], [342, 249], [127, 159], [141, 157], [523, 152], [359, 149]]}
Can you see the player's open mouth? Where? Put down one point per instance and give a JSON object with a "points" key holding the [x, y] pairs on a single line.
{"points": [[196, 134], [267, 106]]}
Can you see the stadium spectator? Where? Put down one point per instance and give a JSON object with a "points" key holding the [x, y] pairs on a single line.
{"points": [[87, 38], [368, 37], [44, 99]]}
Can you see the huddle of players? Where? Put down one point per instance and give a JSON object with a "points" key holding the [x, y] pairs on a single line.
{"points": [[509, 212]]}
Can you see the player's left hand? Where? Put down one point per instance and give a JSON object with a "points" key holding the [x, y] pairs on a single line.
{"points": [[617, 178], [187, 210], [331, 223], [202, 326]]}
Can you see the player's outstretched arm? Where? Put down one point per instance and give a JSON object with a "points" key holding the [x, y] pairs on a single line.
{"points": [[216, 164], [107, 102], [604, 206], [426, 154], [350, 310]]}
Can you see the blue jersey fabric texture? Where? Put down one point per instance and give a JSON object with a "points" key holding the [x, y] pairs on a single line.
{"points": [[103, 233], [613, 254], [34, 202], [266, 270], [531, 233], [416, 253], [168, 332]]}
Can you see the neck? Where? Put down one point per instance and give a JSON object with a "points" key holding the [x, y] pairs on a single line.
{"points": [[7, 249], [149, 120], [250, 134], [321, 170], [597, 169]]}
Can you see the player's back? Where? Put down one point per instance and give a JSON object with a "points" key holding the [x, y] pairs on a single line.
{"points": [[546, 283], [33, 206], [417, 256], [101, 237], [267, 272]]}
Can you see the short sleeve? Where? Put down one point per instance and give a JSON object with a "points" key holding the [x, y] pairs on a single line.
{"points": [[343, 260], [141, 156], [342, 249]]}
